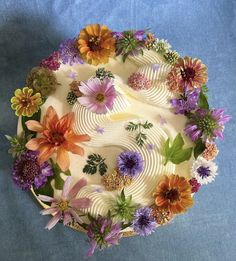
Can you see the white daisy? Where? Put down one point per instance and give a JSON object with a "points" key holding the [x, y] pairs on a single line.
{"points": [[204, 171]]}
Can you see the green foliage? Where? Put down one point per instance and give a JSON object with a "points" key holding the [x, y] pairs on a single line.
{"points": [[95, 163], [101, 74], [199, 148], [203, 101], [124, 208], [141, 137], [175, 153]]}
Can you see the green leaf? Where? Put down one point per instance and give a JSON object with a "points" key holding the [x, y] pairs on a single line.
{"points": [[175, 153], [199, 148], [122, 195], [102, 168], [95, 163], [47, 189], [203, 102], [24, 119]]}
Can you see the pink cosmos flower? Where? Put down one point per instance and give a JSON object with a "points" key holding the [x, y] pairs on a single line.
{"points": [[67, 205], [98, 96]]}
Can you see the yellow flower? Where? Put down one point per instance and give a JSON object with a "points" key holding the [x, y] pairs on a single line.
{"points": [[25, 103], [96, 44]]}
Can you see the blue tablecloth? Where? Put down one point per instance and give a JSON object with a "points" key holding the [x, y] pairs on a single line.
{"points": [[31, 30]]}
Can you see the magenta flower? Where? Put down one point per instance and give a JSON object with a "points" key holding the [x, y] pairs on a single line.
{"points": [[98, 96], [102, 233], [207, 124], [67, 206], [51, 62]]}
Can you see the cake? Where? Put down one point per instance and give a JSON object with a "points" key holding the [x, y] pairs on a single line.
{"points": [[115, 134]]}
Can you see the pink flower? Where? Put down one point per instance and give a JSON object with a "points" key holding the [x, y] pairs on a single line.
{"points": [[138, 81], [67, 205], [98, 96]]}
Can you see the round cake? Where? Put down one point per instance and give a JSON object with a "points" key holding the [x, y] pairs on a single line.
{"points": [[115, 134]]}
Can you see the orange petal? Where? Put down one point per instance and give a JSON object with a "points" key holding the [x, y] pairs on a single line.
{"points": [[73, 148], [33, 144], [66, 122], [45, 152], [63, 159], [72, 137], [50, 118], [34, 126]]}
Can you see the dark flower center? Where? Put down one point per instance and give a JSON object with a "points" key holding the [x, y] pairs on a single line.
{"points": [[57, 138], [188, 73], [26, 102], [172, 195], [94, 43], [130, 163], [100, 97], [204, 172], [30, 170], [143, 220]]}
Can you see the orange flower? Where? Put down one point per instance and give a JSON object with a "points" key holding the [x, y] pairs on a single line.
{"points": [[173, 193], [187, 73], [57, 136], [96, 44]]}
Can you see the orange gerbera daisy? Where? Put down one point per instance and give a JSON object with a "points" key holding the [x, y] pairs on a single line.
{"points": [[187, 73], [57, 136], [173, 193], [96, 44]]}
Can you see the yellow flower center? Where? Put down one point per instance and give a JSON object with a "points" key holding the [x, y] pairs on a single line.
{"points": [[63, 205], [100, 97]]}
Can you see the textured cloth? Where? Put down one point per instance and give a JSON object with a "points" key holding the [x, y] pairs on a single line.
{"points": [[30, 31]]}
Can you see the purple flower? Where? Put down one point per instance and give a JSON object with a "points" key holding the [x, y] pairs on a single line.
{"points": [[100, 130], [102, 233], [139, 35], [51, 62], [130, 163], [207, 124], [144, 223], [150, 147], [67, 205], [27, 172], [69, 53], [72, 75], [98, 96], [187, 103]]}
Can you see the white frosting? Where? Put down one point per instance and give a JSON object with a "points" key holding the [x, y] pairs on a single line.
{"points": [[130, 105]]}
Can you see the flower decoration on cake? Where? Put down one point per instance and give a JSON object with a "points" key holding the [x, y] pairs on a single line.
{"points": [[67, 205], [52, 62], [207, 124], [174, 194], [187, 73], [204, 171], [138, 81], [42, 80], [27, 172], [102, 233], [130, 163], [187, 103], [69, 52], [144, 223], [48, 148], [25, 102], [98, 96], [57, 137], [96, 44]]}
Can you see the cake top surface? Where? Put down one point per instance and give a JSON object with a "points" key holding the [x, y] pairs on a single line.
{"points": [[115, 133]]}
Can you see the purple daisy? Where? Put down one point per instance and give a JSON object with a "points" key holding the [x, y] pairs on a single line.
{"points": [[98, 96], [207, 124], [144, 223], [69, 53], [130, 163], [102, 233], [27, 172], [51, 62], [187, 103]]}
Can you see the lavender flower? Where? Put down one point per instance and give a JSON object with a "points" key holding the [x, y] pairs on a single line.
{"points": [[207, 124], [102, 233], [27, 172], [144, 223], [187, 103], [130, 163], [69, 53]]}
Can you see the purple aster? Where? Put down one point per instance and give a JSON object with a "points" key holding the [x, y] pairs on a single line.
{"points": [[72, 75], [156, 66], [144, 223], [163, 121], [130, 163], [139, 35], [69, 52], [98, 96], [51, 62], [27, 172], [207, 124], [150, 147], [102, 233], [187, 103], [100, 130]]}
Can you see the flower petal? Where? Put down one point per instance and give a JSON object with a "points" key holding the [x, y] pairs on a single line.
{"points": [[93, 245], [49, 211], [80, 203], [63, 159], [67, 218], [33, 144], [46, 198], [76, 188], [66, 187], [53, 221], [34, 126]]}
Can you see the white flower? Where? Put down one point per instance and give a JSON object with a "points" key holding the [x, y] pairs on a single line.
{"points": [[204, 171], [162, 45]]}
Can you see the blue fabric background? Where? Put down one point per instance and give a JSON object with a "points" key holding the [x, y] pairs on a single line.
{"points": [[31, 30]]}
